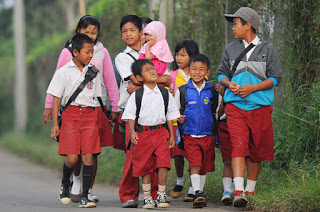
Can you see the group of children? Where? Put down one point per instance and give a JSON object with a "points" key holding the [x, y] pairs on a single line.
{"points": [[167, 114]]}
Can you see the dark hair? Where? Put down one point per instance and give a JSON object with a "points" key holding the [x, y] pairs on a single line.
{"points": [[145, 21], [78, 40], [133, 19], [243, 22], [200, 58], [87, 20], [191, 48], [136, 67]]}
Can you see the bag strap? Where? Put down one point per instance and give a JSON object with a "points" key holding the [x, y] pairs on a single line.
{"points": [[239, 58], [182, 90], [165, 96], [134, 59], [138, 98], [90, 75]]}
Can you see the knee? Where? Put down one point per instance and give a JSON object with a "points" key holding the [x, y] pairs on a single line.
{"points": [[227, 164], [72, 161], [87, 159]]}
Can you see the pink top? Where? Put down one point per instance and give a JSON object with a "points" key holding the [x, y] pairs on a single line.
{"points": [[160, 66], [161, 48], [101, 59]]}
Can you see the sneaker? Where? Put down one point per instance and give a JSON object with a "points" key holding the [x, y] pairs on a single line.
{"points": [[85, 203], [240, 199], [188, 198], [65, 194], [162, 200], [176, 191], [92, 197], [148, 202], [226, 198], [199, 200], [130, 204]]}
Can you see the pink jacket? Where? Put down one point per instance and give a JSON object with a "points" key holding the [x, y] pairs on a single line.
{"points": [[101, 59]]}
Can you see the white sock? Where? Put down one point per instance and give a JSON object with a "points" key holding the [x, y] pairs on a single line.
{"points": [[251, 184], [202, 181], [191, 191], [239, 183], [146, 189], [76, 187], [232, 188], [195, 179], [162, 188], [180, 181], [227, 183]]}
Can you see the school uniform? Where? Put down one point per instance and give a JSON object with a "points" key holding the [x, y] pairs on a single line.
{"points": [[152, 149], [198, 126], [102, 61], [249, 119], [79, 131]]}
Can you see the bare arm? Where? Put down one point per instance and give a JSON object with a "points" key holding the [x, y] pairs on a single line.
{"points": [[164, 79], [134, 135], [233, 86], [149, 56], [55, 111], [172, 140], [245, 90]]}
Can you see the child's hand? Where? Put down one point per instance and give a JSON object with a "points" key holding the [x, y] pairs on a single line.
{"points": [[132, 88], [172, 142], [234, 87], [55, 132], [219, 88], [181, 119], [47, 115], [245, 90], [134, 138], [151, 43]]}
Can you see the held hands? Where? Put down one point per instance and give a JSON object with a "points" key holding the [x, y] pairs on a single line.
{"points": [[172, 142], [134, 138], [47, 115], [234, 87], [219, 88], [181, 119], [246, 89], [113, 116], [55, 132]]}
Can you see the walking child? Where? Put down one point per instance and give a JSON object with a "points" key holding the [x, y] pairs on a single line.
{"points": [[180, 76], [90, 26], [149, 136], [156, 49], [131, 32], [249, 96], [196, 101], [79, 134]]}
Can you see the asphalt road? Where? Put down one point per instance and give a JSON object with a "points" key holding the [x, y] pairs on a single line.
{"points": [[25, 186]]}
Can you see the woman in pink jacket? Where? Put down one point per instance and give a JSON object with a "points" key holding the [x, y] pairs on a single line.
{"points": [[90, 26]]}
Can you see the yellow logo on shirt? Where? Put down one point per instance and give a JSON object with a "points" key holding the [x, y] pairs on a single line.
{"points": [[206, 101]]}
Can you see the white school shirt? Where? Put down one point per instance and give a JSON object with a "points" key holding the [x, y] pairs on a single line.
{"points": [[255, 41], [152, 108], [123, 62], [177, 100], [67, 79]]}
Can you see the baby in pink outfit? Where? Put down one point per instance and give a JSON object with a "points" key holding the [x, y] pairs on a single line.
{"points": [[156, 49]]}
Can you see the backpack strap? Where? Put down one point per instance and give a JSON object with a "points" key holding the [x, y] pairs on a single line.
{"points": [[90, 75], [165, 96], [138, 98], [134, 59], [239, 58], [182, 90], [215, 100]]}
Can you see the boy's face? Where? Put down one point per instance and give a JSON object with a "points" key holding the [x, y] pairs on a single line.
{"points": [[149, 74], [85, 54], [130, 34], [198, 72], [91, 31], [239, 30]]}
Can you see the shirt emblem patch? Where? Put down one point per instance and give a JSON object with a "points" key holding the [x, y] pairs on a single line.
{"points": [[90, 85], [206, 101]]}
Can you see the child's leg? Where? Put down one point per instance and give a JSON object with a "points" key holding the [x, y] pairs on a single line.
{"points": [[146, 187], [199, 200], [65, 183], [95, 166], [76, 182], [87, 171], [253, 172], [162, 197], [179, 164], [227, 176], [195, 178]]}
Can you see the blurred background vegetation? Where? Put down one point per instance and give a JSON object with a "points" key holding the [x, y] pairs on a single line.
{"points": [[291, 26]]}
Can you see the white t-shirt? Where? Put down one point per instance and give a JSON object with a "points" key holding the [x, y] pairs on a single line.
{"points": [[67, 79], [152, 108]]}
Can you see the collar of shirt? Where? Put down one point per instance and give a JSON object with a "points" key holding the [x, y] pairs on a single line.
{"points": [[148, 90], [201, 87], [72, 64], [255, 41], [186, 77], [129, 49]]}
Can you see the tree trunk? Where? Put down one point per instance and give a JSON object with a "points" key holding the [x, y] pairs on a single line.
{"points": [[82, 8], [20, 97]]}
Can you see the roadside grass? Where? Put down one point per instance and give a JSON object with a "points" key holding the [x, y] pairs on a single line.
{"points": [[276, 190]]}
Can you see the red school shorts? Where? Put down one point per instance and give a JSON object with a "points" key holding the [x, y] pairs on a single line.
{"points": [[200, 152], [251, 132], [176, 151], [79, 132], [225, 142], [105, 133], [151, 152]]}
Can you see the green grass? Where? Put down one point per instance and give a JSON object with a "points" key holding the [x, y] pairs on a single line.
{"points": [[276, 190]]}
